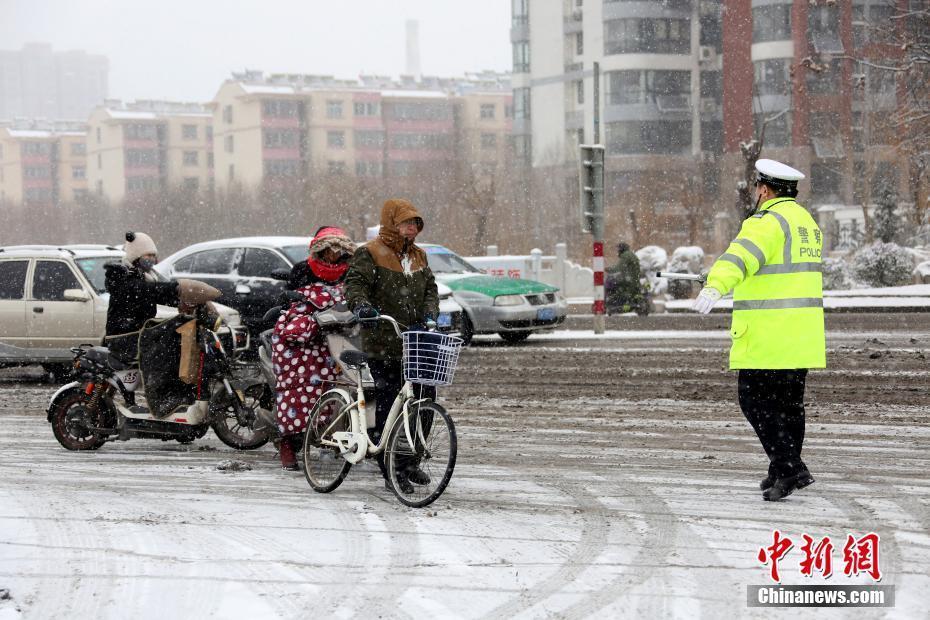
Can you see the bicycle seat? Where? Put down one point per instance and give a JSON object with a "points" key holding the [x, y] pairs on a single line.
{"points": [[354, 359]]}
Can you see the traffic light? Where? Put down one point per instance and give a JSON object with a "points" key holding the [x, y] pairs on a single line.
{"points": [[591, 175]]}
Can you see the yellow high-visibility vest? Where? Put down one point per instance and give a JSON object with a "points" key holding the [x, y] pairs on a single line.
{"points": [[773, 268]]}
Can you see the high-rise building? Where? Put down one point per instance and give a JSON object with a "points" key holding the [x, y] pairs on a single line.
{"points": [[37, 82], [149, 145]]}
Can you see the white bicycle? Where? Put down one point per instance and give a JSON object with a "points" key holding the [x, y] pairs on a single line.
{"points": [[418, 436]]}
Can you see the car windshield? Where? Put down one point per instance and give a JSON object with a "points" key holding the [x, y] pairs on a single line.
{"points": [[296, 253], [92, 268], [447, 262]]}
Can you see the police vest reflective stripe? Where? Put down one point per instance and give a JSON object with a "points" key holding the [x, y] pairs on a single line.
{"points": [[773, 268]]}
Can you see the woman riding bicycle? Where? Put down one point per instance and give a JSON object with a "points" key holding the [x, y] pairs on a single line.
{"points": [[301, 357]]}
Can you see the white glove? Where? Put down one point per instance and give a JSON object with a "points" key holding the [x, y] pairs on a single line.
{"points": [[706, 299]]}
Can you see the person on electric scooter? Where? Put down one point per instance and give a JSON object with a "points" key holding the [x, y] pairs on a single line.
{"points": [[302, 360], [390, 275], [134, 295]]}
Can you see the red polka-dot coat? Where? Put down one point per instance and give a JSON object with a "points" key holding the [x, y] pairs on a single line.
{"points": [[301, 357]]}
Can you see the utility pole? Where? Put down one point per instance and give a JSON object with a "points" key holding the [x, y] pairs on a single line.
{"points": [[591, 175]]}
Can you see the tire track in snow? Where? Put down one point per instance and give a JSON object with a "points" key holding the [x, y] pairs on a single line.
{"points": [[589, 545]]}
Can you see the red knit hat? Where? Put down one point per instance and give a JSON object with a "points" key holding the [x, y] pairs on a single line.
{"points": [[329, 238]]}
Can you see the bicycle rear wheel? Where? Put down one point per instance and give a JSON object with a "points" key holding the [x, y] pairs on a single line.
{"points": [[420, 473], [324, 467]]}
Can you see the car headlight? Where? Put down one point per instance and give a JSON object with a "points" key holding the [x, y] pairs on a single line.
{"points": [[508, 300], [472, 298]]}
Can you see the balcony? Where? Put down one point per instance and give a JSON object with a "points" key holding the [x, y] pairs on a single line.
{"points": [[573, 23]]}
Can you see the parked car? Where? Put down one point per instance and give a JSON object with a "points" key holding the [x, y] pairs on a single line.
{"points": [[53, 298], [510, 307], [242, 270]]}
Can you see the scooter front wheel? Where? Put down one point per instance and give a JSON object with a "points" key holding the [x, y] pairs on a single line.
{"points": [[235, 434], [72, 422]]}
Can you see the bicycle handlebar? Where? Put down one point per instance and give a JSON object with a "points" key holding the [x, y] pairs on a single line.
{"points": [[384, 317]]}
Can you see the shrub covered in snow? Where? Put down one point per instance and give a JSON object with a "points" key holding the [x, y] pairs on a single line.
{"points": [[883, 264], [686, 259], [887, 222], [836, 274], [652, 258]]}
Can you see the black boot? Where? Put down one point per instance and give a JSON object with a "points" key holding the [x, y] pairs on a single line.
{"points": [[783, 487], [405, 487], [418, 476]]}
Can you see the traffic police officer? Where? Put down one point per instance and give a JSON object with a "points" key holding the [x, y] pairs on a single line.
{"points": [[773, 268]]}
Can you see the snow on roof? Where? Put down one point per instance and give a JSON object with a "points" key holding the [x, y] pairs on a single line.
{"points": [[130, 115], [268, 89], [415, 94], [30, 133]]}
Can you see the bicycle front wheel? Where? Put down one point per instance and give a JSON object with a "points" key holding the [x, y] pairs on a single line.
{"points": [[420, 473], [324, 467]]}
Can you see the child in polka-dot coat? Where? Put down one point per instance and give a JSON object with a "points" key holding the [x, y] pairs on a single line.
{"points": [[302, 360]]}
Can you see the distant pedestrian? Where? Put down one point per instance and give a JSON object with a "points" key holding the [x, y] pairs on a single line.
{"points": [[773, 268], [623, 286]]}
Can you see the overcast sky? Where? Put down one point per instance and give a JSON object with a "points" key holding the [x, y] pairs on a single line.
{"points": [[184, 49]]}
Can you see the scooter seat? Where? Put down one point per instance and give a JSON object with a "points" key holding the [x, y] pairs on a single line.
{"points": [[354, 359]]}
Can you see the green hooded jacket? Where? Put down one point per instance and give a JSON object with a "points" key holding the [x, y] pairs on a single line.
{"points": [[392, 275]]}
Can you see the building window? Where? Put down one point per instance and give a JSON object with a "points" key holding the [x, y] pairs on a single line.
{"points": [[366, 108], [778, 131], [508, 110], [141, 184], [520, 12], [521, 103], [191, 158], [232, 172], [99, 162], [432, 141], [191, 184], [209, 160], [771, 23], [401, 168], [521, 57], [141, 158], [36, 172], [98, 135], [369, 139], [336, 139], [487, 111], [413, 111], [36, 148], [209, 132], [825, 183], [282, 167], [669, 90], [99, 187], [279, 108], [336, 167], [826, 81], [80, 194], [37, 194], [579, 91], [489, 140], [137, 131], [334, 108], [77, 148], [188, 132], [773, 77], [228, 143], [655, 36], [280, 138], [523, 149], [649, 137], [227, 114], [78, 172], [368, 168]]}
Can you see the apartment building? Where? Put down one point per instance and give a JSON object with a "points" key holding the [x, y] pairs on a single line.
{"points": [[42, 163], [830, 113], [283, 126], [672, 121], [149, 145], [38, 82]]}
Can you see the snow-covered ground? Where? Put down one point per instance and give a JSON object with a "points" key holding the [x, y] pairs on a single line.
{"points": [[618, 481]]}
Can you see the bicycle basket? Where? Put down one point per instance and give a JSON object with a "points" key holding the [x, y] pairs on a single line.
{"points": [[430, 358]]}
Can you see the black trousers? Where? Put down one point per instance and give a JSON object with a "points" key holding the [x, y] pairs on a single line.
{"points": [[773, 403], [389, 378]]}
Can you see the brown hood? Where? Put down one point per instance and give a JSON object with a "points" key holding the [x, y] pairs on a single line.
{"points": [[395, 211], [389, 247]]}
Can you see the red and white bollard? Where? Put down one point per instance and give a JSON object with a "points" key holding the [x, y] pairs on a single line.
{"points": [[600, 309]]}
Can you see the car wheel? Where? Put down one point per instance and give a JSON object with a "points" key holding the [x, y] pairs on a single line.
{"points": [[513, 337]]}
